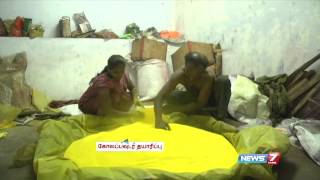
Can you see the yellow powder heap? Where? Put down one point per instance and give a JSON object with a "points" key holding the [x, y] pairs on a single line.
{"points": [[185, 149]]}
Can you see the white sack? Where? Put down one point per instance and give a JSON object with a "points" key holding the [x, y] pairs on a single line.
{"points": [[246, 101], [148, 76]]}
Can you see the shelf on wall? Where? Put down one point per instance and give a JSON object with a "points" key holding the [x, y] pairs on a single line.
{"points": [[9, 37]]}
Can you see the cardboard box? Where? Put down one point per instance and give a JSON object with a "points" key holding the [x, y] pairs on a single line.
{"points": [[218, 59], [206, 49], [144, 49], [203, 48], [212, 70]]}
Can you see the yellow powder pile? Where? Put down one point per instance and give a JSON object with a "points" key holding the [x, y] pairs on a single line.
{"points": [[185, 149]]}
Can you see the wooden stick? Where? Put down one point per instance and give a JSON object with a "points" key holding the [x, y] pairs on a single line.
{"points": [[309, 84], [302, 68], [305, 99], [298, 77], [303, 79], [296, 87]]}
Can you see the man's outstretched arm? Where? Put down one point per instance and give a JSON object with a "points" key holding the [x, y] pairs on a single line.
{"points": [[164, 92]]}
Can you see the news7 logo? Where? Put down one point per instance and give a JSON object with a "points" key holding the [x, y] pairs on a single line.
{"points": [[274, 158], [271, 158]]}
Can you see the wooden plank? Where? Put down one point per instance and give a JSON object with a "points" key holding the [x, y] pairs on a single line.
{"points": [[306, 86], [302, 68], [298, 77], [296, 87], [305, 99]]}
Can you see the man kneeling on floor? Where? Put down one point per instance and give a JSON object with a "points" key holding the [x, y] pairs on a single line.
{"points": [[202, 91]]}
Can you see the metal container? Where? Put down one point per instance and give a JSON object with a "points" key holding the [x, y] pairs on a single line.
{"points": [[65, 26], [3, 31]]}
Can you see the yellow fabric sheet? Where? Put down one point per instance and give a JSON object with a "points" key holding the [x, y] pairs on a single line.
{"points": [[186, 149], [58, 136]]}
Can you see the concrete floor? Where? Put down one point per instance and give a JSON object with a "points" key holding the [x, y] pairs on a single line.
{"points": [[295, 165], [17, 137]]}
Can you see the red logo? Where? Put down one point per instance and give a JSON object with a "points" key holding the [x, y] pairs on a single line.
{"points": [[273, 158]]}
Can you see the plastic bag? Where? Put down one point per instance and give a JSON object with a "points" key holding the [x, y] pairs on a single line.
{"points": [[27, 23], [148, 76], [131, 71], [284, 127], [151, 33], [71, 109], [173, 37], [36, 31], [254, 122], [13, 87], [7, 24], [246, 102], [308, 133], [133, 29], [82, 21], [16, 28]]}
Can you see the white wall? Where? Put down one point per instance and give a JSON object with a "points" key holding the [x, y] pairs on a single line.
{"points": [[260, 36], [61, 67], [102, 14]]}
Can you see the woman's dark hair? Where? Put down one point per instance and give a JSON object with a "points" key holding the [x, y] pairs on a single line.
{"points": [[196, 58], [113, 61]]}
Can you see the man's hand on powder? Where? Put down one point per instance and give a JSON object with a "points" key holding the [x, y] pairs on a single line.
{"points": [[160, 124], [136, 102]]}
